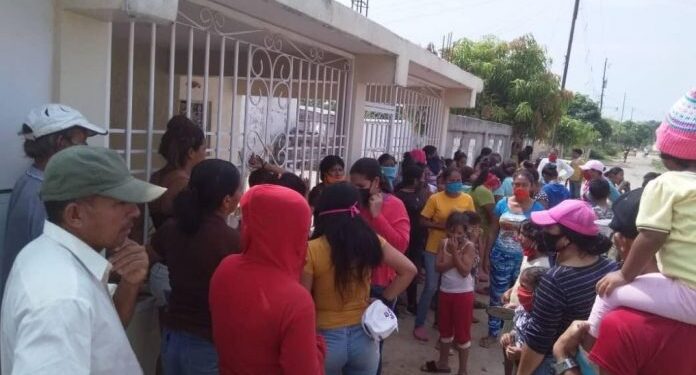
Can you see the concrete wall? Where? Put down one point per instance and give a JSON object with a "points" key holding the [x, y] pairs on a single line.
{"points": [[26, 68], [470, 135]]}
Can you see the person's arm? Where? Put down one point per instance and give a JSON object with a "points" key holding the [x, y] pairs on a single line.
{"points": [[543, 163], [463, 260], [307, 278], [391, 221], [641, 255], [492, 235], [302, 351], [130, 261], [55, 338], [405, 271], [441, 263], [543, 326], [431, 224], [569, 171], [428, 213], [257, 162]]}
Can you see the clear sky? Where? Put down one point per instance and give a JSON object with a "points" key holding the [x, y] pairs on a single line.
{"points": [[650, 44]]}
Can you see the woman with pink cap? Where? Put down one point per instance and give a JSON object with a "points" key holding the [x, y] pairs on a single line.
{"points": [[567, 291], [667, 224]]}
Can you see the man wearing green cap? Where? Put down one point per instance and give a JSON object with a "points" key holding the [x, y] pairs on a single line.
{"points": [[58, 316]]}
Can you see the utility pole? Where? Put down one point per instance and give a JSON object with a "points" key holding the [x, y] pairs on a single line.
{"points": [[632, 108], [570, 44], [604, 86], [623, 107], [567, 61]]}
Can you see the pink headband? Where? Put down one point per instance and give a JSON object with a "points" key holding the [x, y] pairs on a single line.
{"points": [[353, 210]]}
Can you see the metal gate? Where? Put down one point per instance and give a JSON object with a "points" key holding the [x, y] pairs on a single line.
{"points": [[250, 88], [397, 119]]}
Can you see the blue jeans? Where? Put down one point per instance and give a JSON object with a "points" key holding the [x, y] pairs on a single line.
{"points": [[429, 289], [546, 366], [186, 354], [350, 351], [505, 267]]}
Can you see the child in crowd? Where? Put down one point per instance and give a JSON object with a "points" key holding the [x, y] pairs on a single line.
{"points": [[455, 260], [599, 198], [512, 341], [667, 224]]}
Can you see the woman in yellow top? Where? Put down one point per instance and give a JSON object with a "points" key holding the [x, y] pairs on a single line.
{"points": [[434, 215], [340, 258]]}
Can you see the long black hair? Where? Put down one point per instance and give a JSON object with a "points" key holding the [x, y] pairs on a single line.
{"points": [[211, 181], [371, 169], [411, 175], [484, 169], [355, 247], [592, 245]]}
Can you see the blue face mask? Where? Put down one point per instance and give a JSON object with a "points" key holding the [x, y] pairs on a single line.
{"points": [[454, 187], [390, 174]]}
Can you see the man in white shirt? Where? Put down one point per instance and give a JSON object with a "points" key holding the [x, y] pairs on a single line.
{"points": [[58, 316], [564, 170]]}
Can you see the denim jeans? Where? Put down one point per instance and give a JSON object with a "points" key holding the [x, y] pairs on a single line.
{"points": [[546, 366], [187, 354], [350, 351], [429, 289]]}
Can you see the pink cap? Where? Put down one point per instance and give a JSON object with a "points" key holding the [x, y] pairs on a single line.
{"points": [[418, 155], [573, 214], [593, 165]]}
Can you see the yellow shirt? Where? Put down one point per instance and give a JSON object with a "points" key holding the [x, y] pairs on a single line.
{"points": [[577, 171], [332, 310], [668, 205], [438, 208]]}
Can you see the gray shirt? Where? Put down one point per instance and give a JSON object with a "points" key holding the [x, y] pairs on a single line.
{"points": [[25, 219]]}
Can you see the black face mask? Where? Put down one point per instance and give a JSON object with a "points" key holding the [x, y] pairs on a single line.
{"points": [[364, 196], [550, 242]]}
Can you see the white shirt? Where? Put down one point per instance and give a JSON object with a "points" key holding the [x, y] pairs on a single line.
{"points": [[564, 170], [453, 282], [57, 314]]}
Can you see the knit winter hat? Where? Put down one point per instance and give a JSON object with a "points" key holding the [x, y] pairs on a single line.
{"points": [[676, 136]]}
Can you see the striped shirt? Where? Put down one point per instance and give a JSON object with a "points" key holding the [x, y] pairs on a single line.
{"points": [[564, 294]]}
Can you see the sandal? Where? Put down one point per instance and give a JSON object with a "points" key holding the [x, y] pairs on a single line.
{"points": [[420, 334], [431, 366], [487, 341]]}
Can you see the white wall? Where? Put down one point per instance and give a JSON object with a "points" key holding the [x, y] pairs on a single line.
{"points": [[26, 68]]}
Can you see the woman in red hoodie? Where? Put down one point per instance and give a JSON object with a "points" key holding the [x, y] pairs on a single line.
{"points": [[263, 319]]}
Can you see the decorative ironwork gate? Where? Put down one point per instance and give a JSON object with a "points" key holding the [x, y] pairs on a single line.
{"points": [[397, 119]]}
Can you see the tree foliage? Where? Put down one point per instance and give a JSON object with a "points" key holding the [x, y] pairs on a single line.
{"points": [[585, 109], [634, 134], [573, 132], [519, 87]]}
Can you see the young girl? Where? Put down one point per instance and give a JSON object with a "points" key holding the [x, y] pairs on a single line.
{"points": [[512, 341], [530, 236], [455, 260], [667, 224]]}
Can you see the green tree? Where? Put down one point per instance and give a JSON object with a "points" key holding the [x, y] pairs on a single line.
{"points": [[519, 87], [585, 109], [572, 132]]}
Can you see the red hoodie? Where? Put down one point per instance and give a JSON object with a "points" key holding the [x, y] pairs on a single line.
{"points": [[263, 319]]}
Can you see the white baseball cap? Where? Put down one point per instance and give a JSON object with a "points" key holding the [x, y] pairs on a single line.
{"points": [[595, 165], [52, 118], [379, 321]]}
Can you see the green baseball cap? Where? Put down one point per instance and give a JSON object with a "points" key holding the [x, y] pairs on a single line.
{"points": [[82, 171]]}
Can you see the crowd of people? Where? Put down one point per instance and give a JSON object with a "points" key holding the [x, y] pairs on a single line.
{"points": [[290, 288]]}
